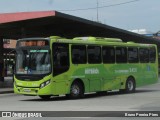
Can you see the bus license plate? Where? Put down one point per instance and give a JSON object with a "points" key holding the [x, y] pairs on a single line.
{"points": [[26, 90]]}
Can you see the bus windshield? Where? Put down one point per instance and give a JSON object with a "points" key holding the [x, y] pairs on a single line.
{"points": [[33, 61]]}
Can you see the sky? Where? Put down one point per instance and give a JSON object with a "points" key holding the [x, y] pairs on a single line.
{"points": [[124, 14]]}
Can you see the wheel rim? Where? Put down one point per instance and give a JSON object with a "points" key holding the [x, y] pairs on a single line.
{"points": [[130, 85], [75, 90]]}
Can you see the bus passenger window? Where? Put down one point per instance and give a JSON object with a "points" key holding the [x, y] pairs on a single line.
{"points": [[152, 55], [94, 54], [121, 54], [133, 55], [108, 54], [144, 55], [79, 54]]}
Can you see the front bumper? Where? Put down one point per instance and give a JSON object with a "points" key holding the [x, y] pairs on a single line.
{"points": [[47, 90]]}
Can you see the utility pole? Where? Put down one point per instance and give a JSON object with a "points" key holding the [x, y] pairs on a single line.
{"points": [[97, 12]]}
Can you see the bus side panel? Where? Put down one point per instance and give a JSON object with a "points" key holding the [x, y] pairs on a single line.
{"points": [[148, 74], [117, 74], [110, 80], [61, 83], [78, 72], [94, 73]]}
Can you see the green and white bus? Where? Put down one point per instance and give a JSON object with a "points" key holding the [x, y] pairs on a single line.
{"points": [[58, 66]]}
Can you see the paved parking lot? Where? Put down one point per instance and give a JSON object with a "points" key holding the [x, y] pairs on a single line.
{"points": [[145, 99]]}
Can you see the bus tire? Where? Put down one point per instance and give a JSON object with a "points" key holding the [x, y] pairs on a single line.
{"points": [[77, 90], [45, 97], [130, 85]]}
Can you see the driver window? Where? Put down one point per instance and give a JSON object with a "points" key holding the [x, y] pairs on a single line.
{"points": [[60, 58]]}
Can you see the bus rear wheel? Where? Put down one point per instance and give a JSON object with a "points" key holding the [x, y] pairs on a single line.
{"points": [[130, 85], [76, 90], [45, 97]]}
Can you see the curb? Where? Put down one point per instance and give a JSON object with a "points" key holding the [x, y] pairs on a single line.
{"points": [[6, 91]]}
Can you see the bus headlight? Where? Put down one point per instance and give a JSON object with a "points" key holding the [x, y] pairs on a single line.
{"points": [[45, 83]]}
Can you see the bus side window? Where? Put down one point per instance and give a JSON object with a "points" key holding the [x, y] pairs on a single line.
{"points": [[133, 55], [63, 61], [79, 54], [108, 54], [144, 55], [121, 54], [60, 58], [94, 54], [152, 55]]}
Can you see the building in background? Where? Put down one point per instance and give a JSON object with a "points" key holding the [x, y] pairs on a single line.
{"points": [[143, 32], [9, 43], [9, 46], [147, 33], [157, 35]]}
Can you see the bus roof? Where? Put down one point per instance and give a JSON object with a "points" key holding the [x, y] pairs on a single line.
{"points": [[97, 40]]}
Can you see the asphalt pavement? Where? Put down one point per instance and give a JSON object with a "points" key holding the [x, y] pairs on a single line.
{"points": [[145, 98], [6, 86]]}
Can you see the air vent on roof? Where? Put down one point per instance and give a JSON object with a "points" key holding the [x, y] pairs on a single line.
{"points": [[98, 39], [55, 37], [85, 38]]}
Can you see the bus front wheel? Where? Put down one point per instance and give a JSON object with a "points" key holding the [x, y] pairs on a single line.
{"points": [[76, 90]]}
